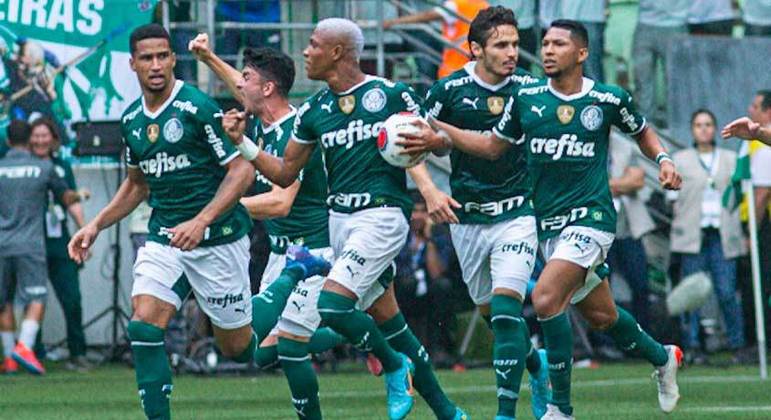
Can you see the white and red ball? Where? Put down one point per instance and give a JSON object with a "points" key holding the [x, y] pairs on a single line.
{"points": [[393, 128]]}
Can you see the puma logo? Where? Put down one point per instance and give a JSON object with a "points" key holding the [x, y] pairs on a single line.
{"points": [[137, 133], [241, 309], [297, 305], [327, 107], [473, 103], [350, 270], [537, 110], [581, 250], [504, 373]]}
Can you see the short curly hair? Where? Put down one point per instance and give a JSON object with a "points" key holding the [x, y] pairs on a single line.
{"points": [[487, 20], [272, 65]]}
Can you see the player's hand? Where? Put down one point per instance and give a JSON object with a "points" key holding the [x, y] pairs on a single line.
{"points": [[234, 124], [422, 141], [743, 128], [199, 46], [669, 178], [80, 243], [84, 194], [187, 235], [440, 207]]}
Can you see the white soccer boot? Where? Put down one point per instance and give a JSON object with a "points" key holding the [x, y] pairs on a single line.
{"points": [[553, 413], [666, 377]]}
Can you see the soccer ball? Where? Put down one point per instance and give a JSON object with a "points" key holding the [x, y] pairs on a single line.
{"points": [[392, 128]]}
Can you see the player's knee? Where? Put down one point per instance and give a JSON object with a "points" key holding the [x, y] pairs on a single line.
{"points": [[143, 332], [544, 303], [506, 317], [333, 307], [266, 357], [601, 320]]}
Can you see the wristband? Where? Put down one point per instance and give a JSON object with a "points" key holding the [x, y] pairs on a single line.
{"points": [[663, 156], [447, 143], [248, 149]]}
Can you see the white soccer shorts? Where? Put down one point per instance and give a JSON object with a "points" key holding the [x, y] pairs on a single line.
{"points": [[500, 255], [581, 245], [365, 243], [218, 276], [300, 316]]}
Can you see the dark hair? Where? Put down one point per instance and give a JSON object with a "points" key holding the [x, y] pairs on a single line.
{"points": [[765, 103], [703, 111], [487, 20], [151, 30], [18, 133], [52, 128], [577, 30], [272, 65]]}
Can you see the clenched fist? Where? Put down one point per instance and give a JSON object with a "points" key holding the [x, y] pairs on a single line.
{"points": [[199, 46], [234, 124]]}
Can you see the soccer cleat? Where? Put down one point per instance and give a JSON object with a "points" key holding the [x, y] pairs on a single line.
{"points": [[10, 366], [399, 391], [666, 378], [311, 265], [27, 359], [539, 387], [500, 417], [553, 413], [461, 415], [373, 365]]}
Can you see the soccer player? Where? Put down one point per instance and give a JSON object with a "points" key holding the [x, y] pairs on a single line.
{"points": [[197, 240], [295, 215], [369, 206], [496, 239], [564, 122]]}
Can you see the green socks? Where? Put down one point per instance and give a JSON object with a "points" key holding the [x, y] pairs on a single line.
{"points": [[247, 355], [324, 339], [152, 369], [401, 339], [358, 328], [510, 350], [558, 340], [296, 363], [632, 339], [268, 305]]}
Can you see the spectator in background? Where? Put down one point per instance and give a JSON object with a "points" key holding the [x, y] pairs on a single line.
{"points": [[253, 11], [25, 182], [711, 17], [657, 23], [548, 11], [592, 14], [757, 17], [456, 16], [62, 271], [524, 11], [424, 283], [713, 248], [627, 255]]}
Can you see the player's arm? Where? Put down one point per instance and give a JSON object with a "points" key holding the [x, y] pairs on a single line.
{"points": [[280, 171], [440, 136], [745, 128], [650, 145], [133, 190], [275, 203], [438, 204], [199, 46], [422, 17], [238, 178], [631, 181]]}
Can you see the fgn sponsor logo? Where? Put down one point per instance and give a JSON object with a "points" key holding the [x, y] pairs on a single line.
{"points": [[495, 208], [15, 172], [163, 163], [224, 301], [353, 200], [505, 362], [567, 145], [559, 222], [357, 131]]}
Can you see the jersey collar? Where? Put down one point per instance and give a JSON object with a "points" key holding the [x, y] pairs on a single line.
{"points": [[292, 112], [367, 78], [586, 86], [471, 65], [177, 87]]}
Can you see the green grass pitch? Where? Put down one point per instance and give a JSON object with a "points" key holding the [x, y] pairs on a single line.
{"points": [[610, 392]]}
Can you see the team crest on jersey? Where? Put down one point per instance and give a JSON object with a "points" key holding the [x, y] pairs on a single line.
{"points": [[495, 104], [152, 132], [374, 100], [565, 113], [591, 117], [347, 103], [173, 130]]}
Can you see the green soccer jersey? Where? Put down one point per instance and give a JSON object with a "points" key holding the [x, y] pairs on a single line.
{"points": [[307, 222], [180, 151], [489, 191], [346, 126], [566, 138]]}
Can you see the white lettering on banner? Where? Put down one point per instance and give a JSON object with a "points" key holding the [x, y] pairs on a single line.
{"points": [[55, 15]]}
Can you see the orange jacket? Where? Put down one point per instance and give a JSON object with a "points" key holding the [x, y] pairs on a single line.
{"points": [[455, 30]]}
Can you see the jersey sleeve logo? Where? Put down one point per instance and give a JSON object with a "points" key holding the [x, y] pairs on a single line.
{"points": [[565, 113], [153, 130], [173, 130], [347, 103], [591, 117], [374, 100], [495, 105]]}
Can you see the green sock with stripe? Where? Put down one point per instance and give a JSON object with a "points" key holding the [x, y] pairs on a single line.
{"points": [[558, 340], [268, 305], [628, 334], [510, 350], [303, 384], [151, 365]]}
